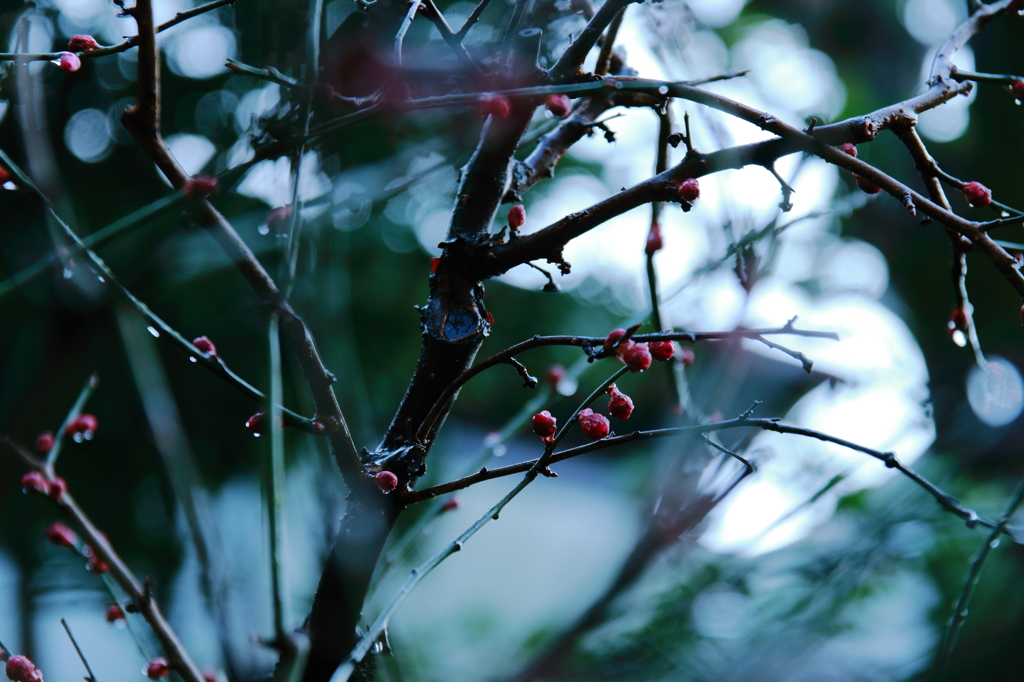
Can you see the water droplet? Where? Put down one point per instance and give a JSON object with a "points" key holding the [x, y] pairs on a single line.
{"points": [[87, 435], [1003, 214], [77, 437], [994, 543], [192, 358], [662, 89], [263, 229], [67, 272], [618, 85], [255, 435], [959, 338], [153, 330], [101, 279], [499, 450]]}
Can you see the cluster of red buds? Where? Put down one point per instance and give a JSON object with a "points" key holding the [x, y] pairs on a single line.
{"points": [[559, 105], [157, 668], [69, 62], [386, 481], [114, 614], [638, 356], [21, 669], [545, 426], [594, 426], [62, 536], [82, 43], [83, 427], [205, 346], [620, 405], [36, 482], [201, 186], [977, 194], [516, 216], [497, 106], [655, 242]]}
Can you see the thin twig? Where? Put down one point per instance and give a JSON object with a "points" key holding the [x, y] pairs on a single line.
{"points": [[213, 363], [960, 613], [83, 397], [91, 677], [605, 55], [127, 44], [274, 483], [471, 20], [403, 29], [380, 624], [590, 342], [945, 500], [432, 13], [141, 596]]}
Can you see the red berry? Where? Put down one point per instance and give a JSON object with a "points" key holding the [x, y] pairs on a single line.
{"points": [[849, 149], [556, 375], [20, 669], [689, 190], [44, 442], [637, 357], [69, 62], [114, 613], [58, 486], [613, 338], [686, 356], [654, 240], [255, 424], [386, 481], [450, 505], [620, 405], [977, 194], [595, 426], [4, 175], [200, 185], [82, 43], [157, 668], [866, 185], [35, 482], [434, 262], [544, 425], [516, 216], [205, 346], [1017, 88], [662, 350], [497, 106], [84, 426], [60, 535], [318, 427], [559, 105], [94, 563], [323, 94]]}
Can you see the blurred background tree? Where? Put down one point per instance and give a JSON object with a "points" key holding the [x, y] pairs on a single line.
{"points": [[643, 562]]}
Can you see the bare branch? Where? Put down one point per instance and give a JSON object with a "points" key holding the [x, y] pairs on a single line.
{"points": [[141, 596]]}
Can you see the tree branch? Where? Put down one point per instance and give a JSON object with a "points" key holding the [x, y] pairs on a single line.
{"points": [[588, 343], [945, 500], [141, 596]]}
